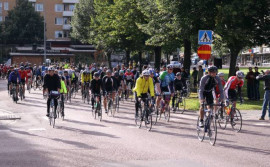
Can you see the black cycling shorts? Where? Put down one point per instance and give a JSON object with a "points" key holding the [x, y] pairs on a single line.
{"points": [[165, 89], [208, 96], [14, 82], [23, 81], [232, 94]]}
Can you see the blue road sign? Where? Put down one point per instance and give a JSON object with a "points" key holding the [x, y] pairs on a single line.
{"points": [[205, 37]]}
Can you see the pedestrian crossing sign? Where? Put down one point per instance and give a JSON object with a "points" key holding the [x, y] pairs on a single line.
{"points": [[205, 37]]}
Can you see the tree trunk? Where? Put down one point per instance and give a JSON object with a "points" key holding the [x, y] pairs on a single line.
{"points": [[168, 58], [127, 57], [109, 53], [233, 59], [187, 54], [140, 61], [157, 57]]}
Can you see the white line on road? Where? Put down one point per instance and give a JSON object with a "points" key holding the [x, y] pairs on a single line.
{"points": [[37, 129]]}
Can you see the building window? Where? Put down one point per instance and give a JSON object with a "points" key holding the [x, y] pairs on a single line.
{"points": [[59, 7], [39, 7], [58, 34], [58, 21], [67, 20], [1, 18], [71, 7], [66, 34], [0, 7], [6, 18], [5, 5]]}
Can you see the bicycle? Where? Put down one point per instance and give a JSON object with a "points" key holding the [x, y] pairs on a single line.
{"points": [[60, 107], [129, 91], [110, 104], [21, 94], [144, 114], [14, 93], [97, 107], [210, 126], [232, 115], [117, 102], [52, 114], [86, 95], [165, 106], [29, 85], [188, 87], [180, 101]]}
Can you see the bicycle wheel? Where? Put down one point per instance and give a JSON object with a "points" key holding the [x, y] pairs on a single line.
{"points": [[155, 115], [109, 108], [236, 122], [94, 110], [138, 118], [117, 104], [167, 113], [149, 118], [222, 120], [21, 93], [183, 105], [212, 130], [52, 116], [200, 131]]}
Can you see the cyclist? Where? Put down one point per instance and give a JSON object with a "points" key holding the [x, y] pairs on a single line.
{"points": [[96, 87], [178, 86], [123, 81], [143, 85], [129, 80], [13, 78], [29, 76], [51, 83], [23, 74], [207, 85], [108, 85], [119, 82], [62, 91], [166, 79], [84, 80], [230, 88]]}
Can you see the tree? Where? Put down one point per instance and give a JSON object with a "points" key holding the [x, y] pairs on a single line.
{"points": [[82, 19], [159, 26], [241, 24], [24, 24], [189, 17]]}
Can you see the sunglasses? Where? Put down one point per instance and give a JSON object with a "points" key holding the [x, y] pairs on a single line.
{"points": [[170, 69]]}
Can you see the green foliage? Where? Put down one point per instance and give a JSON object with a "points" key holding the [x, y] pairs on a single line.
{"points": [[81, 20], [24, 25]]}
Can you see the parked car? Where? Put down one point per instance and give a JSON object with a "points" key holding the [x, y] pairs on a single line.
{"points": [[175, 64]]}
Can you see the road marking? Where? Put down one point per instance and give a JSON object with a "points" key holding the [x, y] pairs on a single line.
{"points": [[262, 124], [133, 127], [37, 129]]}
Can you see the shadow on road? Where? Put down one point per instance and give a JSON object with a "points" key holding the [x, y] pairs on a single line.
{"points": [[244, 148], [84, 123]]}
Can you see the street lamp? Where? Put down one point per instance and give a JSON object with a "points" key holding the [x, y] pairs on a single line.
{"points": [[44, 36]]}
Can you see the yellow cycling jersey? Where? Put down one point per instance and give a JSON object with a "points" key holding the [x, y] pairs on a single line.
{"points": [[142, 86], [85, 78], [63, 87]]}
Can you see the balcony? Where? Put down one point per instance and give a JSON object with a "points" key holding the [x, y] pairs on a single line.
{"points": [[70, 1], [68, 13], [66, 27]]}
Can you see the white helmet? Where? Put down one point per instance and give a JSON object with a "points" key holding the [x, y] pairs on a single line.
{"points": [[145, 73], [240, 74], [51, 68], [221, 74]]}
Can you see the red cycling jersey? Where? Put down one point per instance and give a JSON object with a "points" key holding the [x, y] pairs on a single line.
{"points": [[233, 82], [23, 74], [217, 92], [29, 73], [129, 75]]}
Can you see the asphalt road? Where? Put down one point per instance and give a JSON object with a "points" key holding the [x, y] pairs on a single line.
{"points": [[80, 140]]}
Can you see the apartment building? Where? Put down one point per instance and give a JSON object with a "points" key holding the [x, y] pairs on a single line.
{"points": [[58, 14]]}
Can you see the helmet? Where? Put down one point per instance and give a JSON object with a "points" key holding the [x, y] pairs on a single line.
{"points": [[212, 69], [121, 71], [221, 74], [26, 68], [65, 71], [240, 74], [145, 73], [84, 72], [169, 66], [179, 73], [116, 74], [151, 71], [108, 71], [46, 68], [96, 74], [51, 69], [22, 68], [16, 69]]}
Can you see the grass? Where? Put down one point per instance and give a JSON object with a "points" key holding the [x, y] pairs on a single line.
{"points": [[192, 103]]}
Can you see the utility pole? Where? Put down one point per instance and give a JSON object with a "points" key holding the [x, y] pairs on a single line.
{"points": [[44, 37]]}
